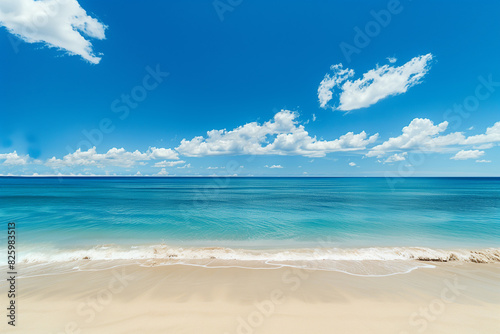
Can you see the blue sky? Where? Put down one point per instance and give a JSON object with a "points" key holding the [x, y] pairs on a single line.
{"points": [[301, 88]]}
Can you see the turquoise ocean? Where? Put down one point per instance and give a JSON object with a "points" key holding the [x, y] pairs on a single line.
{"points": [[272, 220]]}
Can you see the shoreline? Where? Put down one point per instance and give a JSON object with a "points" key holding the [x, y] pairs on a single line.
{"points": [[160, 252]]}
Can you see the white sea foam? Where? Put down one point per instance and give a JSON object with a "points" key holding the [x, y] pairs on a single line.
{"points": [[372, 262], [165, 252]]}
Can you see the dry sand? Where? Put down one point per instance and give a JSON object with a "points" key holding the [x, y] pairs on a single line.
{"points": [[451, 298]]}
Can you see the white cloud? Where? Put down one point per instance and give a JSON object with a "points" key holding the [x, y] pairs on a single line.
{"points": [[280, 136], [392, 60], [352, 164], [396, 157], [163, 171], [421, 134], [56, 23], [13, 159], [469, 154], [273, 166], [169, 163], [113, 157], [162, 153], [375, 84], [329, 82], [492, 135]]}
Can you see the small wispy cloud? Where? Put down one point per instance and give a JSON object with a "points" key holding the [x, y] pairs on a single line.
{"points": [[273, 166], [162, 172], [169, 163], [185, 166]]}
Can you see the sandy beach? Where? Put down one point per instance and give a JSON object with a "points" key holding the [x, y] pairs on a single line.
{"points": [[450, 298]]}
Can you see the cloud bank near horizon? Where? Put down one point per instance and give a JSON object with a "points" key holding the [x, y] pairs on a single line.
{"points": [[283, 135]]}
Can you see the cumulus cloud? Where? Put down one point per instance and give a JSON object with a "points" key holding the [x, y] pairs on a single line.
{"points": [[392, 60], [56, 23], [374, 85], [281, 135], [113, 157], [396, 157], [492, 135], [162, 153], [423, 135], [273, 166], [467, 154], [352, 164], [420, 133], [13, 159]]}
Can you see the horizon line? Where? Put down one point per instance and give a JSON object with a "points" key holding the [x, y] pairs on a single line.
{"points": [[234, 176]]}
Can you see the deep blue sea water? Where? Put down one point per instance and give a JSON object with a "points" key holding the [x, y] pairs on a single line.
{"points": [[68, 214]]}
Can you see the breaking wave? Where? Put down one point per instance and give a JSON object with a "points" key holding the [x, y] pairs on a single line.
{"points": [[165, 252]]}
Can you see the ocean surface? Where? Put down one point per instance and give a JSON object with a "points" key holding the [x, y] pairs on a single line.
{"points": [[253, 219]]}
